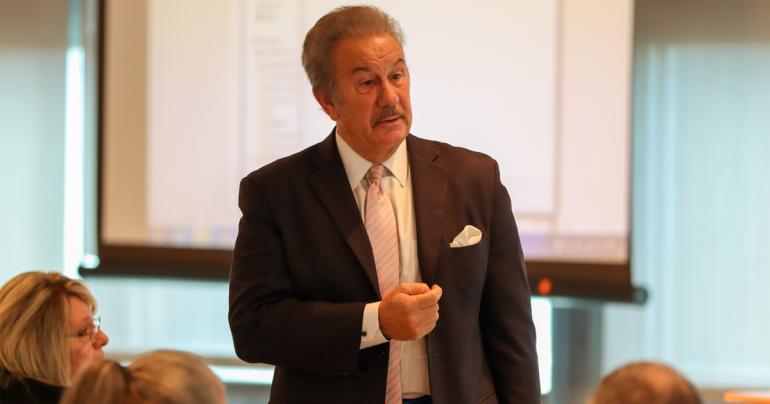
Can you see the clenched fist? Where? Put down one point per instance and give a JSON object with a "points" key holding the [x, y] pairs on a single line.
{"points": [[410, 311]]}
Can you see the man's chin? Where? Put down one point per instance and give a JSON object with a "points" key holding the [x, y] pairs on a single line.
{"points": [[393, 138], [392, 133]]}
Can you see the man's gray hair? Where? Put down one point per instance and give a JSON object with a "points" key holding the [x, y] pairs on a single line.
{"points": [[342, 23]]}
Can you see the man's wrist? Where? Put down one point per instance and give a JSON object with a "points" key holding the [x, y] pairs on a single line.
{"points": [[371, 334]]}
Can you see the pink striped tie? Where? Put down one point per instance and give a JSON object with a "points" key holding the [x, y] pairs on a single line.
{"points": [[383, 236]]}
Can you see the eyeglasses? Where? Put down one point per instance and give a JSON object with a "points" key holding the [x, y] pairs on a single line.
{"points": [[90, 331]]}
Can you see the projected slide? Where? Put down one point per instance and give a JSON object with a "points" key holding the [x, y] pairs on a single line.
{"points": [[223, 93]]}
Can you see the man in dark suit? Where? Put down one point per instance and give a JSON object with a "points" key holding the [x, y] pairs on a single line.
{"points": [[339, 242]]}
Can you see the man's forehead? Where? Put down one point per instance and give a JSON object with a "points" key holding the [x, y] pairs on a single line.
{"points": [[365, 53], [367, 67]]}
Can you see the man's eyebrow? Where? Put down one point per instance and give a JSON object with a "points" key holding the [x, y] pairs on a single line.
{"points": [[365, 69]]}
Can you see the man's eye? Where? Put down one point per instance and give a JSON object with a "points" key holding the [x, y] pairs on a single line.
{"points": [[397, 76], [367, 83]]}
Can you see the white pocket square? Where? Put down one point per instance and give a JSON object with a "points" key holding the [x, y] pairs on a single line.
{"points": [[468, 237]]}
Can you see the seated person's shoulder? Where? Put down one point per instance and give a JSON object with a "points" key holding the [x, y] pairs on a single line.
{"points": [[23, 391]]}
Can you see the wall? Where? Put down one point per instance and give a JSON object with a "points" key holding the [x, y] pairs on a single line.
{"points": [[33, 42], [701, 192]]}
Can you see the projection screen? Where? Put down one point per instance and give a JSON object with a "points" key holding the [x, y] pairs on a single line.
{"points": [[195, 95]]}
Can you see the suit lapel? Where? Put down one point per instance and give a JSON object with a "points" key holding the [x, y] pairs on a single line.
{"points": [[429, 185], [331, 186]]}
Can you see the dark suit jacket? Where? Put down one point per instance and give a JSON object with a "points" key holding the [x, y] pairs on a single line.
{"points": [[303, 270]]}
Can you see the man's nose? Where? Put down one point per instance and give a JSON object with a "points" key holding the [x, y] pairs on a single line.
{"points": [[388, 95]]}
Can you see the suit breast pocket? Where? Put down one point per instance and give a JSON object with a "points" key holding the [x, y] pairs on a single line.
{"points": [[468, 267]]}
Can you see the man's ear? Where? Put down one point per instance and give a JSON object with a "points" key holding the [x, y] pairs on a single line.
{"points": [[326, 102]]}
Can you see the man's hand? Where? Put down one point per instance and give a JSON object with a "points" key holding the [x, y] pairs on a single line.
{"points": [[410, 311]]}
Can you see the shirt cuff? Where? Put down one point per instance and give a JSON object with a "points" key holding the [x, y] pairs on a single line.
{"points": [[370, 328]]}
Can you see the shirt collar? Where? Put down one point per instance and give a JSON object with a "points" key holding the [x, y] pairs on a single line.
{"points": [[356, 166]]}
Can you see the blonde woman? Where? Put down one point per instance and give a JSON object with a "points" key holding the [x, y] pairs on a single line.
{"points": [[48, 332], [159, 377]]}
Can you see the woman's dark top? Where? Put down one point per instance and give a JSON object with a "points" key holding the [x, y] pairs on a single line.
{"points": [[29, 391]]}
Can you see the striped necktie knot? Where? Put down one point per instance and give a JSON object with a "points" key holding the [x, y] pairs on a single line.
{"points": [[374, 176]]}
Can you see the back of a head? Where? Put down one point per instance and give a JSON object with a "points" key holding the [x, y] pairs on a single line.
{"points": [[102, 382], [645, 383], [178, 377], [34, 321], [159, 377]]}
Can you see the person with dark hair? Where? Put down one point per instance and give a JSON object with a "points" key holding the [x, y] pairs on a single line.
{"points": [[347, 249], [48, 332], [645, 383]]}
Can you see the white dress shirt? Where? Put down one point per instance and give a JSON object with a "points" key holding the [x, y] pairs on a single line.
{"points": [[398, 186]]}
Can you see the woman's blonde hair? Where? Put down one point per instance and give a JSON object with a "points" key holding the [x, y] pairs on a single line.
{"points": [[34, 324], [159, 377]]}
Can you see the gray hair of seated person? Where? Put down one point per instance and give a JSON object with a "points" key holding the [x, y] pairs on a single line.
{"points": [[158, 377], [645, 383]]}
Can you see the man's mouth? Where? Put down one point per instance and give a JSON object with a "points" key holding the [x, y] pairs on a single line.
{"points": [[389, 119]]}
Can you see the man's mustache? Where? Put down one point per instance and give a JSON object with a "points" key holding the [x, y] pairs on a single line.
{"points": [[388, 113]]}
